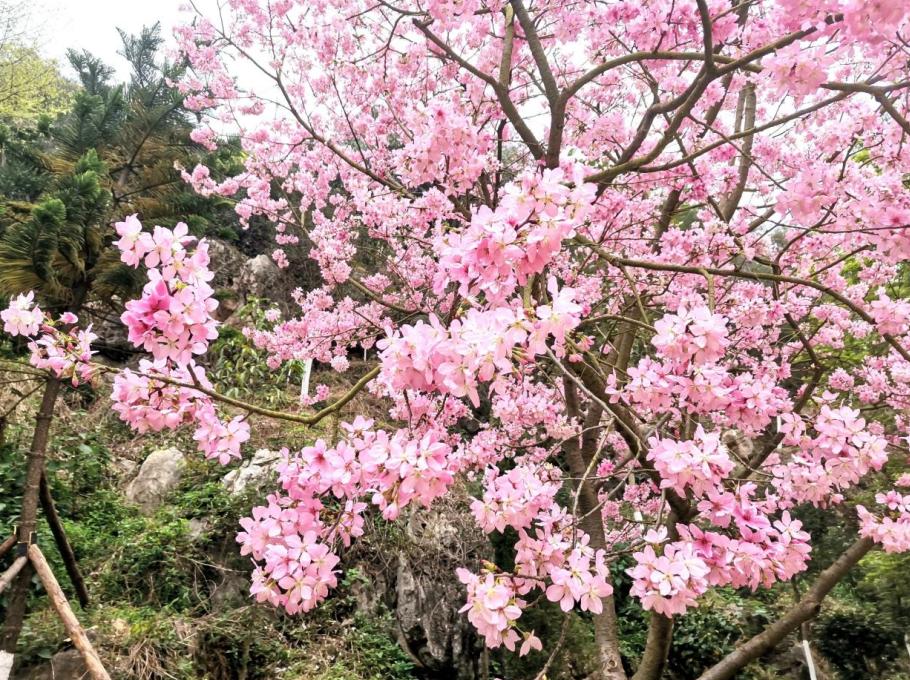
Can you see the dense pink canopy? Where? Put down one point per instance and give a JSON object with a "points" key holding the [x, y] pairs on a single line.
{"points": [[655, 249]]}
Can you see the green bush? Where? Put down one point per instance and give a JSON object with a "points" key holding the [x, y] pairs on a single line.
{"points": [[701, 638], [857, 640]]}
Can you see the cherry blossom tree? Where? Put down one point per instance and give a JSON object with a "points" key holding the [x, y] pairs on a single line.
{"points": [[654, 249]]}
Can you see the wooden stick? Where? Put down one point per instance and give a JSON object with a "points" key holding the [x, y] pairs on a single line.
{"points": [[7, 544], [70, 622], [12, 572], [63, 545]]}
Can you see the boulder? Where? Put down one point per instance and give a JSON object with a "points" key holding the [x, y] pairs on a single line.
{"points": [[261, 466], [421, 590], [260, 277], [158, 476], [230, 262], [65, 664], [113, 341]]}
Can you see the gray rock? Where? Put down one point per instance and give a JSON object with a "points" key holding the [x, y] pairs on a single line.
{"points": [[66, 664], [233, 590], [424, 595], [260, 277], [158, 476], [230, 263], [257, 469], [124, 467], [197, 528]]}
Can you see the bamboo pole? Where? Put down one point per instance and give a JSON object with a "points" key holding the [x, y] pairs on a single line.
{"points": [[65, 612], [6, 545], [11, 573]]}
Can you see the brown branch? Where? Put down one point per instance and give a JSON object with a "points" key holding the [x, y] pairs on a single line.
{"points": [[501, 91], [537, 51], [6, 545], [334, 407], [738, 273], [745, 133], [804, 610], [657, 648], [28, 518], [747, 122], [707, 31], [892, 111], [634, 57], [508, 43]]}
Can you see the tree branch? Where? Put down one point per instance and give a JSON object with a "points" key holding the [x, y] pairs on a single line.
{"points": [[807, 608]]}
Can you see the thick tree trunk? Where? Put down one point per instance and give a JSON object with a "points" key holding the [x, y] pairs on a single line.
{"points": [[579, 458], [805, 609], [63, 544], [28, 519], [657, 648]]}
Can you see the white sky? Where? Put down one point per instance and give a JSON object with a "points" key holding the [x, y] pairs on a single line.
{"points": [[92, 25]]}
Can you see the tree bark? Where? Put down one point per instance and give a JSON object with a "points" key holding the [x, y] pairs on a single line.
{"points": [[70, 622], [808, 607], [606, 626], [15, 612], [63, 544], [657, 648]]}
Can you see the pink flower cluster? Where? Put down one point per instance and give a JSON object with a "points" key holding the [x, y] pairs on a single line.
{"points": [[842, 452], [66, 354], [700, 464], [165, 396], [325, 492], [748, 400], [514, 498], [556, 559], [22, 317], [502, 247], [172, 320], [444, 146], [59, 347], [479, 347], [670, 582], [892, 529], [493, 607], [697, 335], [556, 555], [325, 330], [669, 578]]}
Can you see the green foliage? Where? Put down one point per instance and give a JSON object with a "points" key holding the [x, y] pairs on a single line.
{"points": [[701, 638], [112, 153], [30, 85], [12, 477], [24, 175], [52, 250], [238, 369], [857, 640], [373, 654]]}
